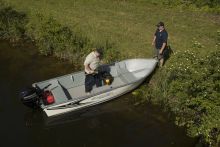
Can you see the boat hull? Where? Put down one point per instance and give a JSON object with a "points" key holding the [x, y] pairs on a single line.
{"points": [[66, 93], [93, 100]]}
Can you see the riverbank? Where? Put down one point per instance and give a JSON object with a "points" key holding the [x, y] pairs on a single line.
{"points": [[124, 29], [98, 123]]}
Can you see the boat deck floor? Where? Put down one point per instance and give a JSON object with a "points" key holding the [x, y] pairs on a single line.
{"points": [[71, 87], [79, 91]]}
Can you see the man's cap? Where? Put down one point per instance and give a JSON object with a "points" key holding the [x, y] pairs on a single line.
{"points": [[100, 51], [160, 24]]}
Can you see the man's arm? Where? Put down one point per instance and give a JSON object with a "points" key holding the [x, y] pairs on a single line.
{"points": [[153, 42], [163, 47], [165, 37], [88, 69]]}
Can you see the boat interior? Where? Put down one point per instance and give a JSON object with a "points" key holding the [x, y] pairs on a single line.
{"points": [[71, 87]]}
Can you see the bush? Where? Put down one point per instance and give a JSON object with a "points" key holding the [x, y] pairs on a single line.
{"points": [[190, 88], [55, 39], [195, 83], [12, 23]]}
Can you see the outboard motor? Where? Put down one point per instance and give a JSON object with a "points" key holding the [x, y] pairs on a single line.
{"points": [[34, 96], [29, 97]]}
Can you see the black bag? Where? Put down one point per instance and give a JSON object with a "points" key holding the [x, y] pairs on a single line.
{"points": [[167, 52], [107, 78]]}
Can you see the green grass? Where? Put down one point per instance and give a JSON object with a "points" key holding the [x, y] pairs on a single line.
{"points": [[128, 24]]}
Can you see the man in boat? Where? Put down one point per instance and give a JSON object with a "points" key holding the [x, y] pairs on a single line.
{"points": [[91, 64], [160, 42]]}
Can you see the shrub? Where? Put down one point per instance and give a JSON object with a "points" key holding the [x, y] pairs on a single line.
{"points": [[192, 92], [55, 39], [12, 23], [195, 82]]}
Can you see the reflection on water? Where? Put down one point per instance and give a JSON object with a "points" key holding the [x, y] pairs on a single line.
{"points": [[113, 124]]}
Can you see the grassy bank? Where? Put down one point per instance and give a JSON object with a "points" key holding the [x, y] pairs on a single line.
{"points": [[189, 88], [124, 28], [50, 36], [127, 24]]}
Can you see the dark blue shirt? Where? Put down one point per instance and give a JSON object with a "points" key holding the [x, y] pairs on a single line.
{"points": [[161, 37]]}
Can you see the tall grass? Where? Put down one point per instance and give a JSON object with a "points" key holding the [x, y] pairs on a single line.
{"points": [[128, 24]]}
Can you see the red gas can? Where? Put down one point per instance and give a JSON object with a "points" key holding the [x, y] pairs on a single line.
{"points": [[48, 97]]}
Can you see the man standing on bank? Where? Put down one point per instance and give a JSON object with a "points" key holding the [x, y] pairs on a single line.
{"points": [[91, 65], [160, 42]]}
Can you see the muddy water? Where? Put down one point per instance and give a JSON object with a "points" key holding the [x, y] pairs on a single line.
{"points": [[117, 123]]}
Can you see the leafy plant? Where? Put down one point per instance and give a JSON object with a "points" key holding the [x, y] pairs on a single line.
{"points": [[12, 23], [193, 93]]}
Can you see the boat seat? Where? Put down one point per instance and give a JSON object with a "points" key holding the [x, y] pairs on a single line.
{"points": [[121, 68], [128, 77], [67, 81], [123, 73], [59, 92], [113, 71], [79, 79], [71, 81]]}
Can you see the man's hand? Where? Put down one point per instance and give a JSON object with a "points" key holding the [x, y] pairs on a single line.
{"points": [[91, 72], [161, 51], [162, 48], [153, 43]]}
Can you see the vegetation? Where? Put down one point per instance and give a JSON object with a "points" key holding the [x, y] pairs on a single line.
{"points": [[11, 23], [49, 35], [198, 5], [188, 85], [125, 25]]}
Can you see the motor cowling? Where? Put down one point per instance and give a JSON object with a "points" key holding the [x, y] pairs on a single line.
{"points": [[29, 97]]}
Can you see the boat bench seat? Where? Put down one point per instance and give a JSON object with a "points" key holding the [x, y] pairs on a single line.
{"points": [[128, 77], [60, 93], [66, 81], [72, 80], [123, 73], [121, 68]]}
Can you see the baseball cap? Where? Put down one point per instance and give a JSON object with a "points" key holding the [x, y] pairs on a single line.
{"points": [[100, 51], [160, 24]]}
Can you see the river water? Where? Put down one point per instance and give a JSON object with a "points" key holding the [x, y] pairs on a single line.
{"points": [[117, 123]]}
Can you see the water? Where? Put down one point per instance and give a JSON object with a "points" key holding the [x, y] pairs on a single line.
{"points": [[117, 123]]}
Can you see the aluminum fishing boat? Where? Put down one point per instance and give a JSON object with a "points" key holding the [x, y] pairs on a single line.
{"points": [[67, 93]]}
